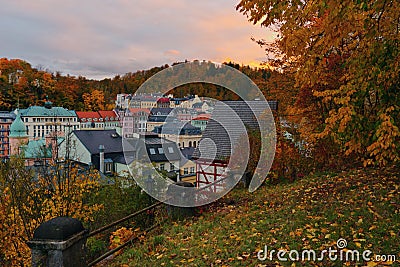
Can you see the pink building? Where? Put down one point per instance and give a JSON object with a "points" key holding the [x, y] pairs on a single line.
{"points": [[135, 121]]}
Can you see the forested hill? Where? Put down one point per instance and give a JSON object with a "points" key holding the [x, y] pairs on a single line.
{"points": [[21, 83]]}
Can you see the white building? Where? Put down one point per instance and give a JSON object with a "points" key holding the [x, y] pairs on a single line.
{"points": [[40, 121]]}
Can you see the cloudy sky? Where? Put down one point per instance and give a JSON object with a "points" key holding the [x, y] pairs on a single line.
{"points": [[102, 38]]}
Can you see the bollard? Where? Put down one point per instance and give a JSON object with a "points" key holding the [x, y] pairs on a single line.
{"points": [[59, 242]]}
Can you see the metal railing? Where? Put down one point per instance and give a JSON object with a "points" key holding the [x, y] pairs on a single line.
{"points": [[136, 237], [130, 241]]}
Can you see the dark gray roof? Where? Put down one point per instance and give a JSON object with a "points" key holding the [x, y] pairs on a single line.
{"points": [[160, 111], [162, 150], [7, 115], [226, 118], [187, 152], [92, 139], [158, 118], [177, 127], [155, 140], [198, 105]]}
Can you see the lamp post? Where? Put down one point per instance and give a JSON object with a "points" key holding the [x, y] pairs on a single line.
{"points": [[149, 184]]}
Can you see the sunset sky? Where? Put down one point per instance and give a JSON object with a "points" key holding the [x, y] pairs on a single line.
{"points": [[103, 38]]}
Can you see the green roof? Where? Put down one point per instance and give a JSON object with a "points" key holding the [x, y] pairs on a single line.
{"points": [[37, 149], [38, 111], [17, 128]]}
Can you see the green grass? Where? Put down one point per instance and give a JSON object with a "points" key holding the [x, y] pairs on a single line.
{"points": [[361, 206]]}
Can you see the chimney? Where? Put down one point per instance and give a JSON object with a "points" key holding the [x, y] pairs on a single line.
{"points": [[101, 149]]}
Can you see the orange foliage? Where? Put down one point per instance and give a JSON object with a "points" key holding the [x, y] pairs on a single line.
{"points": [[27, 202]]}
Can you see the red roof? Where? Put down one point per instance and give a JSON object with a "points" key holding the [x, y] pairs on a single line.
{"points": [[108, 114], [163, 100], [137, 110], [87, 114], [202, 117]]}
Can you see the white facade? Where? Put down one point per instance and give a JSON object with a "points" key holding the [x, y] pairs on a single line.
{"points": [[40, 121]]}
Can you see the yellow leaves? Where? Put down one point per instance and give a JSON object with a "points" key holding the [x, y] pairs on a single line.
{"points": [[94, 101], [385, 148], [26, 204], [121, 236], [372, 263]]}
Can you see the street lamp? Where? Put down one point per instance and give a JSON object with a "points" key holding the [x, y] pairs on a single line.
{"points": [[149, 184]]}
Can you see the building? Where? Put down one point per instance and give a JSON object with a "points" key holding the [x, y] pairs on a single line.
{"points": [[6, 119], [163, 102], [144, 101], [164, 155], [203, 107], [106, 151], [35, 152], [183, 102], [123, 101], [201, 121], [184, 114], [135, 121], [158, 116], [102, 149], [110, 118], [40, 121], [41, 152], [214, 157], [183, 134], [187, 170], [90, 120], [18, 136]]}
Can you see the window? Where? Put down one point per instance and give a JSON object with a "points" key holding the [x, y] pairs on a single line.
{"points": [[170, 149], [172, 167], [160, 150], [192, 170], [152, 151], [108, 167], [162, 166], [185, 171]]}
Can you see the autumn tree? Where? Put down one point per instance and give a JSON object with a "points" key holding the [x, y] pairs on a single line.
{"points": [[347, 63], [28, 199], [94, 101]]}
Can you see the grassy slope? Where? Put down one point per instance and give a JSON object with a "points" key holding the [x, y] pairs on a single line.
{"points": [[362, 206]]}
